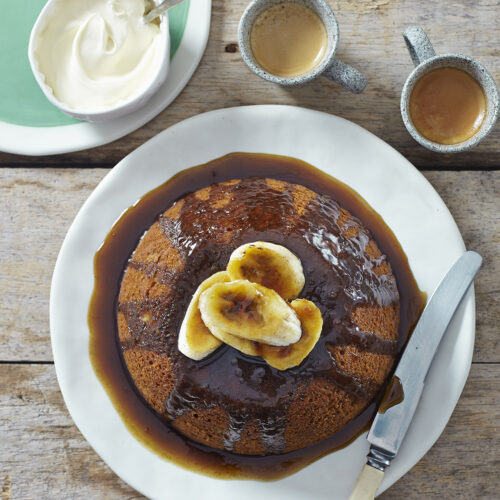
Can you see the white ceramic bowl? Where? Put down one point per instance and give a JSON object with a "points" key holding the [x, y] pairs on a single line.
{"points": [[123, 107]]}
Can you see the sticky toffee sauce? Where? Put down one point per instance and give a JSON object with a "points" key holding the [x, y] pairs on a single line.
{"points": [[113, 257], [394, 395]]}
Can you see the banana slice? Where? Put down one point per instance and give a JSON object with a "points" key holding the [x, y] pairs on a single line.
{"points": [[270, 265], [289, 356], [283, 358], [249, 311], [243, 345], [195, 340]]}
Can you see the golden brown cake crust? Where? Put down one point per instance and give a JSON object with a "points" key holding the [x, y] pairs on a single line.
{"points": [[236, 402]]}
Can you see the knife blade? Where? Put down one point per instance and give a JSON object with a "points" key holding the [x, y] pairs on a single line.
{"points": [[389, 428]]}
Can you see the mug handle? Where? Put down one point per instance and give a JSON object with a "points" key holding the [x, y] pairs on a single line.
{"points": [[419, 45], [346, 76]]}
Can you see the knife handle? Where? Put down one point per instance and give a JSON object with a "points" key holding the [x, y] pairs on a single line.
{"points": [[367, 484]]}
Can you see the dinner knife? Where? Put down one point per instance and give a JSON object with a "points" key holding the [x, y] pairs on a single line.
{"points": [[390, 425]]}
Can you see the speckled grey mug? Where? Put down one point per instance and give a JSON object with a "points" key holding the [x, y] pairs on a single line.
{"points": [[425, 60], [341, 73]]}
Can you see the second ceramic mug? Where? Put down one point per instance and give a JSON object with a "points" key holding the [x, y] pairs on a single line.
{"points": [[341, 73], [425, 60]]}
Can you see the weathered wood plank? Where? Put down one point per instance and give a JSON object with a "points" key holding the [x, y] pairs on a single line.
{"points": [[43, 455], [38, 206], [370, 39], [36, 211], [474, 202]]}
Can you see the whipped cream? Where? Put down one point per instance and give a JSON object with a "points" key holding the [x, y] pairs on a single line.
{"points": [[95, 54]]}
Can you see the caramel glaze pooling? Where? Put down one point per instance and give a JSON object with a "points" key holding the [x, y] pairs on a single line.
{"points": [[339, 276], [394, 395], [336, 289]]}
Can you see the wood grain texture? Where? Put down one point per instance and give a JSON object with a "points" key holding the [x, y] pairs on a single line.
{"points": [[33, 200], [370, 40], [43, 455], [38, 206]]}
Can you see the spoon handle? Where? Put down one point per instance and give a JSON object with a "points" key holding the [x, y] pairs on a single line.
{"points": [[159, 10]]}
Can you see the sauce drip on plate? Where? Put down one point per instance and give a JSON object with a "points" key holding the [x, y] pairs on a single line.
{"points": [[394, 395]]}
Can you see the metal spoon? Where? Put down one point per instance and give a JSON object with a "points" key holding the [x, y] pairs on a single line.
{"points": [[159, 10]]}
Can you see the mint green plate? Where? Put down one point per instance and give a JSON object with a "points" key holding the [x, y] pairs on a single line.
{"points": [[30, 124]]}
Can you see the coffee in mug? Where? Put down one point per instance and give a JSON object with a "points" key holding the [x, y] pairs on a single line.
{"points": [[447, 106], [288, 39]]}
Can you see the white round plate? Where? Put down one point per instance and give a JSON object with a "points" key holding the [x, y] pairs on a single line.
{"points": [[39, 141], [388, 182]]}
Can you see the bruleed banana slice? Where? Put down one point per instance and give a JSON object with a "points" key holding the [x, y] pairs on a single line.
{"points": [[195, 340], [289, 356], [250, 311], [243, 345], [311, 321], [270, 265]]}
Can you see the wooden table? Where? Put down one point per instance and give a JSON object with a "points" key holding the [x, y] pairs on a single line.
{"points": [[43, 455]]}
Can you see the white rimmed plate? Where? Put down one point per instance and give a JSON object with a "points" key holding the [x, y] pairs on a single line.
{"points": [[39, 141], [388, 182]]}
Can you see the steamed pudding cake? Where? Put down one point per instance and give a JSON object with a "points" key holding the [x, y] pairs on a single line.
{"points": [[282, 363]]}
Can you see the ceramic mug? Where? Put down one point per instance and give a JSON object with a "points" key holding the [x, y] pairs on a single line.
{"points": [[425, 60], [341, 73]]}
